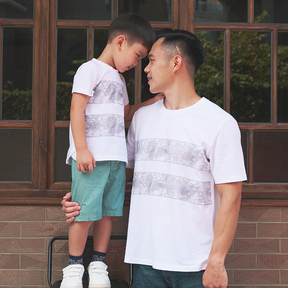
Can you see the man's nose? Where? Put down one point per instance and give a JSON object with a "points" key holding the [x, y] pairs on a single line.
{"points": [[146, 69]]}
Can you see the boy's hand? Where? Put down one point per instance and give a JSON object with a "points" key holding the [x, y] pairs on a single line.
{"points": [[158, 97], [85, 160], [71, 209]]}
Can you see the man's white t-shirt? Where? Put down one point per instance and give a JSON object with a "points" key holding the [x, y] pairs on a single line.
{"points": [[104, 113], [178, 156]]}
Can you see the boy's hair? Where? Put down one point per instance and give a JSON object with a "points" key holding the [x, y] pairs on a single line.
{"points": [[135, 28], [187, 45]]}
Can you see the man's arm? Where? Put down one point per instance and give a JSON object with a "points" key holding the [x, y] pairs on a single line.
{"points": [[225, 226], [130, 110]]}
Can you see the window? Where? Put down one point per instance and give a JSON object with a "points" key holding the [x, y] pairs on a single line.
{"points": [[43, 42]]}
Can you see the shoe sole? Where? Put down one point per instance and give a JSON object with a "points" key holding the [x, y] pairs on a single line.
{"points": [[99, 286]]}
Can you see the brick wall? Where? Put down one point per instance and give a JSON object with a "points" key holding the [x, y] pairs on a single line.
{"points": [[258, 257]]}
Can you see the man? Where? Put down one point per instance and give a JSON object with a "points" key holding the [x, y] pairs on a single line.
{"points": [[188, 170]]}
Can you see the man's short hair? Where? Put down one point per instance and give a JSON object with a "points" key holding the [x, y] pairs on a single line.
{"points": [[187, 45], [135, 28]]}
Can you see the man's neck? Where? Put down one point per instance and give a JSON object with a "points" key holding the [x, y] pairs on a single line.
{"points": [[180, 96]]}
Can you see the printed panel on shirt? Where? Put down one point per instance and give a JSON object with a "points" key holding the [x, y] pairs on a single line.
{"points": [[104, 125], [107, 92], [172, 151], [171, 186]]}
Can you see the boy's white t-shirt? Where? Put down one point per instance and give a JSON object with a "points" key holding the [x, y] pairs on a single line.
{"points": [[104, 113], [178, 156]]}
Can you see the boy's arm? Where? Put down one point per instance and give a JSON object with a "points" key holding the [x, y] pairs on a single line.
{"points": [[225, 226], [85, 160], [130, 110]]}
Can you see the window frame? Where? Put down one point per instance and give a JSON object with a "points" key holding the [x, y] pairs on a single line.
{"points": [[42, 189]]}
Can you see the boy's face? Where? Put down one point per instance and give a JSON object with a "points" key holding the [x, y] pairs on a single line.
{"points": [[129, 56], [158, 70]]}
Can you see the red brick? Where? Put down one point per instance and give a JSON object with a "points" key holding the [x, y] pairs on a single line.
{"points": [[120, 262], [55, 214], [284, 214], [117, 246], [9, 261], [230, 274], [284, 276], [34, 261], [245, 230], [111, 260], [58, 246], [121, 228], [259, 214], [22, 213], [43, 229], [272, 261], [240, 261], [284, 245], [276, 230], [256, 246], [21, 245], [9, 229], [21, 277], [254, 277]]}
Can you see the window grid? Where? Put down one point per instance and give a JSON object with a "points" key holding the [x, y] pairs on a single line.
{"points": [[45, 25]]}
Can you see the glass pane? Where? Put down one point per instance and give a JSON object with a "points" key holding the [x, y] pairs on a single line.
{"points": [[61, 169], [20, 9], [250, 83], [271, 11], [244, 142], [209, 80], [221, 11], [282, 73], [152, 10], [84, 10], [270, 156], [100, 41], [17, 73], [71, 53], [16, 155]]}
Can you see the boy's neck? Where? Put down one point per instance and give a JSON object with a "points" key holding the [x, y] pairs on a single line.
{"points": [[106, 56]]}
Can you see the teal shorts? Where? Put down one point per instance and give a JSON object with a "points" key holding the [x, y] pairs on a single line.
{"points": [[100, 193]]}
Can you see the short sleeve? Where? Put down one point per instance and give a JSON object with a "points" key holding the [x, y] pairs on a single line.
{"points": [[130, 140], [85, 79], [125, 93], [226, 156]]}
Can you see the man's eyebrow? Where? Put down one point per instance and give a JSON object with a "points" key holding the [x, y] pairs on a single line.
{"points": [[150, 55]]}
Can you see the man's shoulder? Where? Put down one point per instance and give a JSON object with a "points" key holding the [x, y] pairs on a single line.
{"points": [[215, 111]]}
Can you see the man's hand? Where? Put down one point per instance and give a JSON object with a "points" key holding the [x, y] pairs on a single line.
{"points": [[71, 209], [215, 277]]}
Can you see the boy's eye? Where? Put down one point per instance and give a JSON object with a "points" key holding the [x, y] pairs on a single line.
{"points": [[138, 55]]}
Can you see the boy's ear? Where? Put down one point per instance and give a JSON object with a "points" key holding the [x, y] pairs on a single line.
{"points": [[120, 40]]}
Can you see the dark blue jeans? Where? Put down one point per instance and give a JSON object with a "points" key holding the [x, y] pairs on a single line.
{"points": [[147, 277]]}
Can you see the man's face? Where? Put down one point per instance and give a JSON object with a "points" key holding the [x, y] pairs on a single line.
{"points": [[158, 70]]}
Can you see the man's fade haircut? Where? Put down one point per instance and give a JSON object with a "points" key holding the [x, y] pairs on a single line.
{"points": [[187, 45], [135, 28]]}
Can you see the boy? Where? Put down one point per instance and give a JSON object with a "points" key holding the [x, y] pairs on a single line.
{"points": [[97, 149]]}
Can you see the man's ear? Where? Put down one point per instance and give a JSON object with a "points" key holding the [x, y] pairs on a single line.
{"points": [[120, 40], [177, 62]]}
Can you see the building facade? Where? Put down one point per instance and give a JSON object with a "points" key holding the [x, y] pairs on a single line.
{"points": [[43, 42]]}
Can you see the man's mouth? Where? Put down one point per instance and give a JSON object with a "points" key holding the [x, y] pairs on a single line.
{"points": [[149, 78]]}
